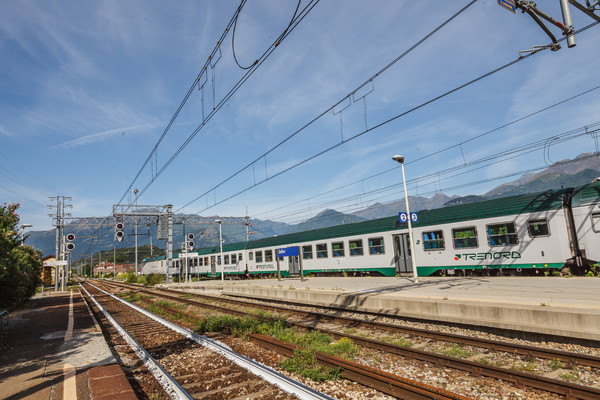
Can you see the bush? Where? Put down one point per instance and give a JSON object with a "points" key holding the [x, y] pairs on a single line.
{"points": [[131, 278], [20, 266], [153, 279]]}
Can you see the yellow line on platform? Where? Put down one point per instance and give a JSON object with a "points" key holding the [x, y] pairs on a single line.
{"points": [[69, 371], [69, 333], [70, 383]]}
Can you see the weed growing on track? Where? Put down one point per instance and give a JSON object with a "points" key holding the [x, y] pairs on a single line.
{"points": [[303, 361], [156, 308], [456, 351], [555, 364], [131, 296], [572, 376]]}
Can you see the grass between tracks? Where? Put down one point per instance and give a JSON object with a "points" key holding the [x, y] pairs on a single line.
{"points": [[304, 361]]}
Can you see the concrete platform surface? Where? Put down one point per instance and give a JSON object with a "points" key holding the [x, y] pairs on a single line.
{"points": [[53, 349], [547, 305]]}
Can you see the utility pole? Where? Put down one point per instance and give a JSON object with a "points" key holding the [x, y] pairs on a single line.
{"points": [[135, 192], [60, 256]]}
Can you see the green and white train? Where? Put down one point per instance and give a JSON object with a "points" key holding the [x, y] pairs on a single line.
{"points": [[524, 234]]}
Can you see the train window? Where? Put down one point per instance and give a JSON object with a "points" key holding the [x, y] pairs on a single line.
{"points": [[233, 259], [205, 260], [239, 256], [596, 221], [502, 234], [307, 252], [322, 250], [538, 227], [464, 237], [250, 256], [376, 246], [337, 249], [433, 240], [268, 255], [200, 261], [259, 256], [226, 259], [356, 247]]}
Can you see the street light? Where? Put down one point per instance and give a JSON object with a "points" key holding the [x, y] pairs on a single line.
{"points": [[23, 231], [218, 221], [400, 159], [135, 192]]}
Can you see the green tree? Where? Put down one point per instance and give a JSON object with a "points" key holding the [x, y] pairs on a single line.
{"points": [[20, 266]]}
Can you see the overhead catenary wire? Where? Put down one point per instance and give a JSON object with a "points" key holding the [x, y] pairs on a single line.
{"points": [[447, 173], [293, 24], [440, 150], [335, 146], [271, 177], [329, 109]]}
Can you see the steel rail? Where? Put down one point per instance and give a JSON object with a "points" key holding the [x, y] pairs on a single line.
{"points": [[289, 385], [167, 382], [570, 390], [568, 358]]}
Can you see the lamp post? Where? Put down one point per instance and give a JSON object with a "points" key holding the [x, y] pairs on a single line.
{"points": [[218, 221], [23, 231], [135, 192], [400, 159]]}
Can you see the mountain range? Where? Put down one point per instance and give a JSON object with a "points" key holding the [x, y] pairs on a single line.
{"points": [[583, 169]]}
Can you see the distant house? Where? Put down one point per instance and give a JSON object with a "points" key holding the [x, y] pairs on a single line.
{"points": [[48, 274], [106, 267]]}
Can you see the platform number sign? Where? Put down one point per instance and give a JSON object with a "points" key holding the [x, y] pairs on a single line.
{"points": [[508, 4], [403, 217]]}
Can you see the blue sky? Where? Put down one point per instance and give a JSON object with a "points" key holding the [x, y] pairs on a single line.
{"points": [[87, 89]]}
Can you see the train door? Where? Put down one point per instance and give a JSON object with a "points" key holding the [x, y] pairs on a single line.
{"points": [[294, 265], [213, 267], [402, 254]]}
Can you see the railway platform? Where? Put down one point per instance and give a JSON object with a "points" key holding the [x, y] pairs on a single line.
{"points": [[54, 349], [545, 305]]}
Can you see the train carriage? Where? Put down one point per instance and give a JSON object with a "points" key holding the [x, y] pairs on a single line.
{"points": [[519, 234]]}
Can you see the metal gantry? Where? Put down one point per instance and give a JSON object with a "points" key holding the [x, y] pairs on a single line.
{"points": [[164, 213]]}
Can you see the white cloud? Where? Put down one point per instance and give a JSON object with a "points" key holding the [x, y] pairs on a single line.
{"points": [[98, 137]]}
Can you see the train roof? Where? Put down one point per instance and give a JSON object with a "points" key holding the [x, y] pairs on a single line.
{"points": [[542, 201]]}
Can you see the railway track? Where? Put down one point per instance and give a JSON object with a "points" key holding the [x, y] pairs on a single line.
{"points": [[387, 383], [189, 366], [567, 389]]}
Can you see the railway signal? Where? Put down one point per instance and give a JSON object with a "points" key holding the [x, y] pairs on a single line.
{"points": [[119, 234], [70, 246], [190, 241]]}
